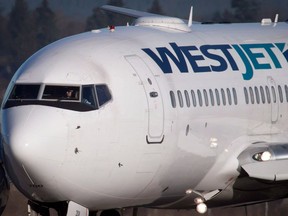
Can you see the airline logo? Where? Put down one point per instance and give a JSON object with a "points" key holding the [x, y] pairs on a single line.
{"points": [[220, 58]]}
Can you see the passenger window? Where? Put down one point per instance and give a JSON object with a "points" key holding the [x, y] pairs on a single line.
{"points": [[251, 95], [193, 98], [246, 95], [235, 96], [103, 94], [61, 93], [273, 94], [223, 97], [206, 97], [229, 96], [268, 94], [200, 98], [217, 97], [257, 95], [212, 97], [180, 98], [280, 93], [187, 98], [262, 94], [286, 92], [24, 92], [88, 96], [172, 97]]}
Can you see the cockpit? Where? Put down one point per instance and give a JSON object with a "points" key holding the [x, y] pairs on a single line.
{"points": [[72, 97]]}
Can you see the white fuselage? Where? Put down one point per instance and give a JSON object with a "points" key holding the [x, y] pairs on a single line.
{"points": [[142, 147]]}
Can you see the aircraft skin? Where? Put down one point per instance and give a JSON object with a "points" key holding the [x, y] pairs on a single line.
{"points": [[144, 146]]}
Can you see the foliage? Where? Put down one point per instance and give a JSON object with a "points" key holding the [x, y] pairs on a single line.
{"points": [[245, 10], [156, 8], [45, 25], [100, 18]]}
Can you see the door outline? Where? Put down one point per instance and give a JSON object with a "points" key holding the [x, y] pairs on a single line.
{"points": [[155, 128], [274, 104]]}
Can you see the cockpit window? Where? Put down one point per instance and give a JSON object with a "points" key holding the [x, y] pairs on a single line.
{"points": [[61, 93], [77, 98], [103, 94], [88, 96], [24, 92]]}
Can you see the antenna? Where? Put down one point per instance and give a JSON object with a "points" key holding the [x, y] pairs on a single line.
{"points": [[190, 17], [276, 18]]}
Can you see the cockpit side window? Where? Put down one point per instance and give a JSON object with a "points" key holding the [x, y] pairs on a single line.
{"points": [[61, 93], [88, 96], [103, 94], [24, 92]]}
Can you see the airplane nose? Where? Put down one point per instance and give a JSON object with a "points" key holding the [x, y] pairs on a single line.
{"points": [[34, 146]]}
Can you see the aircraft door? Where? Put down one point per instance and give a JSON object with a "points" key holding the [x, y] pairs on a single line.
{"points": [[274, 99], [154, 99]]}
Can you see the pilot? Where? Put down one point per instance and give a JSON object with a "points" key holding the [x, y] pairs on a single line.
{"points": [[69, 93], [72, 94]]}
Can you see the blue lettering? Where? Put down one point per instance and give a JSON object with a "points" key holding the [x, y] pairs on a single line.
{"points": [[164, 63], [222, 62], [194, 58], [251, 58], [249, 70], [268, 48], [286, 55], [255, 56]]}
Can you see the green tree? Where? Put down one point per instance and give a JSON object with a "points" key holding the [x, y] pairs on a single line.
{"points": [[114, 18], [45, 25], [156, 8], [100, 18], [97, 20], [225, 17], [3, 33], [22, 34], [245, 10]]}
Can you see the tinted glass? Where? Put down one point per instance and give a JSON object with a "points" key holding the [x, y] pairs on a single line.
{"points": [[61, 93], [88, 96], [103, 94], [27, 92], [172, 97]]}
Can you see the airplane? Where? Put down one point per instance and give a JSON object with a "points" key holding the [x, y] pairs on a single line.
{"points": [[160, 114]]}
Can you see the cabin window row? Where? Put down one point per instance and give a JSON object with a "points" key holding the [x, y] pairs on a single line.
{"points": [[265, 94], [211, 97]]}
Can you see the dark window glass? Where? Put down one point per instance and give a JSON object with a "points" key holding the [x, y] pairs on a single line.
{"points": [[61, 93], [257, 95], [211, 97], [172, 97], [246, 95], [180, 98], [268, 94], [235, 96], [187, 98], [280, 94], [223, 97], [217, 97], [229, 96], [88, 96], [251, 95], [103, 94], [193, 98], [262, 94], [22, 92], [273, 94], [200, 98], [286, 92], [206, 97]]}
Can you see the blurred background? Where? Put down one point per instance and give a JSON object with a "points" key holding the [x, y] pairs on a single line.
{"points": [[28, 25]]}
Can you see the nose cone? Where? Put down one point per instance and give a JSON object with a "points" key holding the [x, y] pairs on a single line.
{"points": [[35, 139]]}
